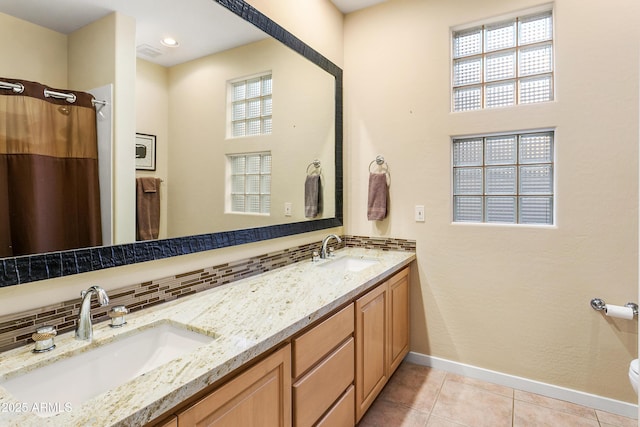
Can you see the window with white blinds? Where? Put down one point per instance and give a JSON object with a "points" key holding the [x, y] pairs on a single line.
{"points": [[250, 183], [504, 178], [251, 106], [503, 64]]}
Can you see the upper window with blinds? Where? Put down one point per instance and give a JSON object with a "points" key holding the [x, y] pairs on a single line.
{"points": [[503, 64], [250, 101]]}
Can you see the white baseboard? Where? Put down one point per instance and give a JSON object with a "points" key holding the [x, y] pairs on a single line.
{"points": [[581, 398]]}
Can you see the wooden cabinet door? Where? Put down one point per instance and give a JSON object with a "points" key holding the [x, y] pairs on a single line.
{"points": [[259, 396], [371, 349], [398, 319]]}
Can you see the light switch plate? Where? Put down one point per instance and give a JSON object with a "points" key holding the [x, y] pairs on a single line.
{"points": [[287, 209], [419, 213]]}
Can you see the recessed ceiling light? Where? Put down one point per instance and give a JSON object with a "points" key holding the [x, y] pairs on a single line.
{"points": [[169, 41]]}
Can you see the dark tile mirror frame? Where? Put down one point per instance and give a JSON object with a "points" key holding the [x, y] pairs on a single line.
{"points": [[25, 269]]}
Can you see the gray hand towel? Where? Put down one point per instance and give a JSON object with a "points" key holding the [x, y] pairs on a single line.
{"points": [[312, 196], [378, 193]]}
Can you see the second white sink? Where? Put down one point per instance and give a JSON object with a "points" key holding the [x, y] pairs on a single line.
{"points": [[80, 377], [350, 263]]}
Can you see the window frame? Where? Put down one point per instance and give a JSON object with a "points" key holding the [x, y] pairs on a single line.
{"points": [[517, 79], [231, 102], [517, 164], [229, 192]]}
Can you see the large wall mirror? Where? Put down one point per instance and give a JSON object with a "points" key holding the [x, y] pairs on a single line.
{"points": [[182, 99]]}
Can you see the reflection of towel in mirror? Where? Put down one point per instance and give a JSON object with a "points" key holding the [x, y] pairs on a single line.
{"points": [[147, 208], [312, 196], [378, 192]]}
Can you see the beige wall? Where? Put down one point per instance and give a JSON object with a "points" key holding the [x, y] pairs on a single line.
{"points": [[152, 117], [513, 299], [303, 130], [46, 61], [124, 129], [185, 106], [316, 22], [92, 54], [102, 53]]}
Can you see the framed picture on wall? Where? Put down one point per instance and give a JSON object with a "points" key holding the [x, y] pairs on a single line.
{"points": [[145, 152]]}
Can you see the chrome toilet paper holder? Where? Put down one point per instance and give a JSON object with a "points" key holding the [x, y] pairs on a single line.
{"points": [[599, 305]]}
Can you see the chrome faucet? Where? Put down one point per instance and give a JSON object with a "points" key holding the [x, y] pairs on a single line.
{"points": [[323, 251], [84, 331]]}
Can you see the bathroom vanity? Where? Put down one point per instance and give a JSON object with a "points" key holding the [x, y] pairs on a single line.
{"points": [[310, 343]]}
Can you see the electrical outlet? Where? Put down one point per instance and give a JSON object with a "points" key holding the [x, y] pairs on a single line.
{"points": [[419, 213], [287, 209]]}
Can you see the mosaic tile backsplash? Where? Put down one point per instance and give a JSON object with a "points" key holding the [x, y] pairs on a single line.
{"points": [[16, 329]]}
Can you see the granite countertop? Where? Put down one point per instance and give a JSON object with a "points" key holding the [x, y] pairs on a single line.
{"points": [[247, 318]]}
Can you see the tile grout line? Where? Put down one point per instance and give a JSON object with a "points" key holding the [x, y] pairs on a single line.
{"points": [[435, 401], [513, 409]]}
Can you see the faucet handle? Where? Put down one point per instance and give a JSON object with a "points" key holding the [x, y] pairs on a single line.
{"points": [[315, 256], [117, 314], [43, 338]]}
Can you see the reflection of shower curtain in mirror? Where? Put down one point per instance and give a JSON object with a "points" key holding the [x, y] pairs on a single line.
{"points": [[49, 189]]}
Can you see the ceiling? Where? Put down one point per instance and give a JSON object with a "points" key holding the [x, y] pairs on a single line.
{"points": [[218, 30], [348, 6]]}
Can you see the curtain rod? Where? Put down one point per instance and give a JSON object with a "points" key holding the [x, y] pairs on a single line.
{"points": [[70, 97], [16, 87]]}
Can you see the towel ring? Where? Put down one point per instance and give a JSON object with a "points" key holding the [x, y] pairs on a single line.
{"points": [[379, 160], [316, 164]]}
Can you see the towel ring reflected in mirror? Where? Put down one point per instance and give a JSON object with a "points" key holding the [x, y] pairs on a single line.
{"points": [[316, 167]]}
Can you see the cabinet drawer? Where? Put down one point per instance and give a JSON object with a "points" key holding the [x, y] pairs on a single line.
{"points": [[343, 412], [309, 348], [314, 393], [169, 422]]}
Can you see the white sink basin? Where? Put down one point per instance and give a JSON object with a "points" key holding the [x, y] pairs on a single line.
{"points": [[74, 380], [350, 263]]}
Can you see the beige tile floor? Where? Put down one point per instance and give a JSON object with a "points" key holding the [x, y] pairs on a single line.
{"points": [[425, 397]]}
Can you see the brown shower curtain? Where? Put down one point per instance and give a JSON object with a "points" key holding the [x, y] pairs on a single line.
{"points": [[49, 188]]}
